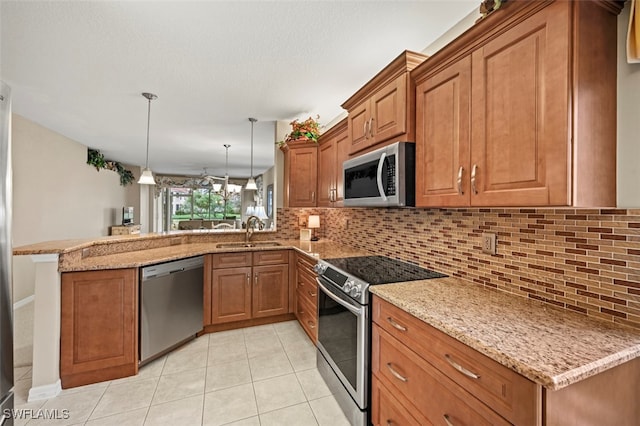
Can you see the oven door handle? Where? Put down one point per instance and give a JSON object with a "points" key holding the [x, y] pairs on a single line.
{"points": [[346, 305], [383, 156]]}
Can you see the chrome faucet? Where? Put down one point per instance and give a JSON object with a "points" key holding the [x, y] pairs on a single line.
{"points": [[250, 227]]}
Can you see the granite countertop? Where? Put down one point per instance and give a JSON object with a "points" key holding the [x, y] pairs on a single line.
{"points": [[139, 258], [552, 347]]}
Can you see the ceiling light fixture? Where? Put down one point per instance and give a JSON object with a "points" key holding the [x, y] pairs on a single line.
{"points": [[147, 177], [251, 183]]}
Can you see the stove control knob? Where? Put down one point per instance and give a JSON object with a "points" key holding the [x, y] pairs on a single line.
{"points": [[356, 290], [319, 268], [348, 285]]}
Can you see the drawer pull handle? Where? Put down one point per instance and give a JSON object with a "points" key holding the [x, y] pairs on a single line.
{"points": [[461, 368], [396, 325], [312, 325], [389, 423], [396, 374], [311, 294], [446, 420]]}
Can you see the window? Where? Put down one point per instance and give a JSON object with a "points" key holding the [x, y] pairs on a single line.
{"points": [[202, 204]]}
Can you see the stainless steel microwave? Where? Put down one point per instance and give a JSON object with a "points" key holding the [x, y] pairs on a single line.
{"points": [[381, 178]]}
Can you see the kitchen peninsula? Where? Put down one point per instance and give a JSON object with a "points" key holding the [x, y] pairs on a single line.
{"points": [[119, 257], [563, 352]]}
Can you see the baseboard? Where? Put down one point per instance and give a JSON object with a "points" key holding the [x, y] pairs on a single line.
{"points": [[38, 393], [23, 302]]}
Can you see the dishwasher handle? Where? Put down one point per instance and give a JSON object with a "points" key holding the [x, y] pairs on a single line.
{"points": [[168, 268]]}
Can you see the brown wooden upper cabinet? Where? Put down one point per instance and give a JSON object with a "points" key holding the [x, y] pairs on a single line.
{"points": [[383, 109], [333, 150], [300, 174], [521, 110]]}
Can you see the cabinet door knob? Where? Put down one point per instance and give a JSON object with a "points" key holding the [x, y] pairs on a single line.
{"points": [[460, 171], [473, 179], [248, 279], [446, 420]]}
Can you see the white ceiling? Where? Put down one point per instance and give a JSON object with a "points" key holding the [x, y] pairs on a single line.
{"points": [[79, 68]]}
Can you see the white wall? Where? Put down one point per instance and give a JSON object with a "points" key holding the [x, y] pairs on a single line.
{"points": [[628, 121], [57, 196]]}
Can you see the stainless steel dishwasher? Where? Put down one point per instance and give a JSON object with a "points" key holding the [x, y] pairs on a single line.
{"points": [[170, 305]]}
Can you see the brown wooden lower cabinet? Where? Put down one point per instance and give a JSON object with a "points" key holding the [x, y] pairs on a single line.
{"points": [[246, 285], [439, 380], [306, 308], [99, 326]]}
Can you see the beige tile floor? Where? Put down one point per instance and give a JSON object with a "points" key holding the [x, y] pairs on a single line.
{"points": [[263, 375]]}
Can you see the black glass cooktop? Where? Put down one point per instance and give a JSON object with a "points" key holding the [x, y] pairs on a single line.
{"points": [[382, 270]]}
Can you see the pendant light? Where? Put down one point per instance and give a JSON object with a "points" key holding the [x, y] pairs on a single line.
{"points": [[251, 183], [147, 177]]}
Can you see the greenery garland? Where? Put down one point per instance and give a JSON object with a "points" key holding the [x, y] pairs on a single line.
{"points": [[96, 159]]}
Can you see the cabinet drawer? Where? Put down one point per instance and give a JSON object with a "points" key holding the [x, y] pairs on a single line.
{"points": [[270, 257], [231, 260], [306, 263], [307, 315], [505, 391], [423, 386], [308, 292], [387, 410]]}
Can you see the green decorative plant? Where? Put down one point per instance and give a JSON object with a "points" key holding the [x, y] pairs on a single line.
{"points": [[96, 159], [308, 130]]}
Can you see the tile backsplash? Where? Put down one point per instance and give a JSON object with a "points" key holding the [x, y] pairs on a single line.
{"points": [[584, 260]]}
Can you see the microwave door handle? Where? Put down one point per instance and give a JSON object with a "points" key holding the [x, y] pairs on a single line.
{"points": [[379, 176]]}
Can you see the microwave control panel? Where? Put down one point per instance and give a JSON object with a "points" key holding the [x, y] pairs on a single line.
{"points": [[389, 176]]}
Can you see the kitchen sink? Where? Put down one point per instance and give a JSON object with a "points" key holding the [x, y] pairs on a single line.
{"points": [[252, 244]]}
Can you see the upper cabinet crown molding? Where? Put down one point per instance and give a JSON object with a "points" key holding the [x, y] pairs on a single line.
{"points": [[403, 63], [520, 110]]}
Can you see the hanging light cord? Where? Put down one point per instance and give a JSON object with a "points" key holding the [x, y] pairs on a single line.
{"points": [[150, 97], [252, 120], [148, 125]]}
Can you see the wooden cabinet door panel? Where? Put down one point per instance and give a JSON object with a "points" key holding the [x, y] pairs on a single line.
{"points": [[99, 331], [303, 177], [520, 149], [326, 172], [270, 290], [389, 111], [359, 128], [230, 295], [231, 260], [442, 133], [342, 154], [270, 257], [387, 410]]}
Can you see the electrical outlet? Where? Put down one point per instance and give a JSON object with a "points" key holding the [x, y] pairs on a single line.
{"points": [[489, 243]]}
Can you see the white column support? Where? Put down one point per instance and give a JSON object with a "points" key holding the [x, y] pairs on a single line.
{"points": [[46, 329]]}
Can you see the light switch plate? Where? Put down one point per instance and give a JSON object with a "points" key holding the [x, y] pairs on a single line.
{"points": [[489, 243]]}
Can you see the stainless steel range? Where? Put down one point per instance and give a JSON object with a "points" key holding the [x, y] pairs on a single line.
{"points": [[344, 323]]}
